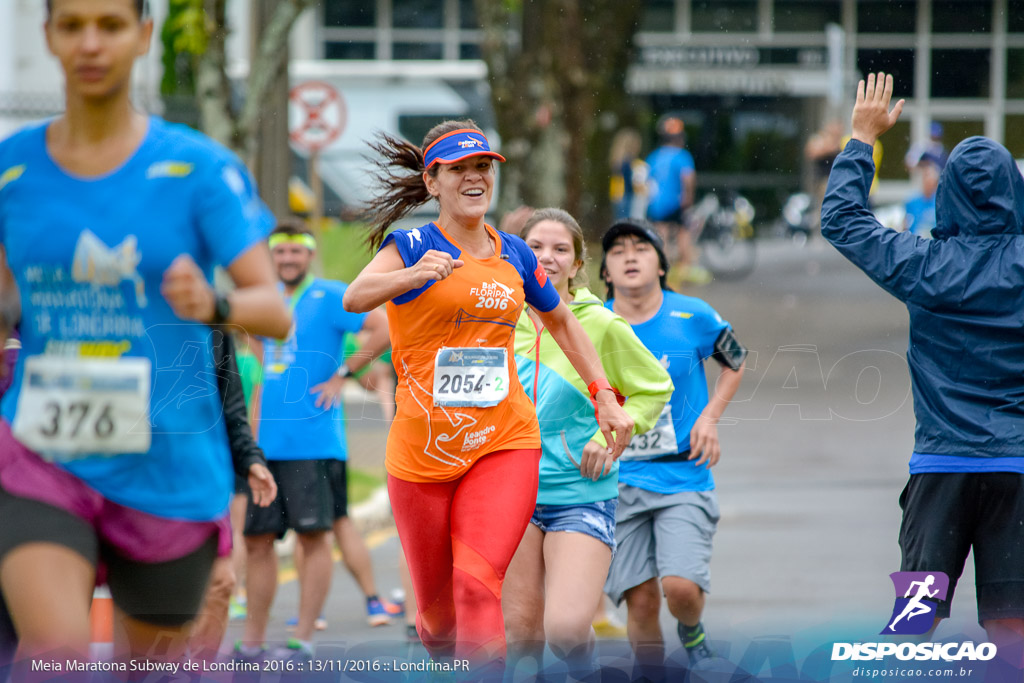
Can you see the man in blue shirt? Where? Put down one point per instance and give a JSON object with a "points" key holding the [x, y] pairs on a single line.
{"points": [[301, 429], [667, 512], [920, 208], [672, 178]]}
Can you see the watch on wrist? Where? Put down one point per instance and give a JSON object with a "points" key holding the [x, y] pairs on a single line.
{"points": [[221, 309], [343, 371]]}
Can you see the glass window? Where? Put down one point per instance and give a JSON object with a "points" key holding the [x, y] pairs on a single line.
{"points": [[337, 49], [469, 51], [467, 14], [1015, 16], [345, 13], [899, 63], [418, 13], [955, 130], [962, 16], [885, 16], [724, 15], [960, 73], [806, 15], [417, 51], [1014, 132], [895, 144], [1015, 73], [658, 15]]}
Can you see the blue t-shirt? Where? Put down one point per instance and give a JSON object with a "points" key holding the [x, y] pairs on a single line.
{"points": [[291, 427], [668, 165], [921, 214], [681, 335], [89, 255]]}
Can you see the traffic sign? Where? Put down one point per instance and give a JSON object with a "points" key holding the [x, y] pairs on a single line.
{"points": [[316, 115]]}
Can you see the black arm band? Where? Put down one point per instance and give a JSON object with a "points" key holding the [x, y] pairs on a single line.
{"points": [[728, 351]]}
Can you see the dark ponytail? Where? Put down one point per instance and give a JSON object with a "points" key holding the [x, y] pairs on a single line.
{"points": [[399, 178]]}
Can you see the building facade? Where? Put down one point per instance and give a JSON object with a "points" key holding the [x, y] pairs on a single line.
{"points": [[752, 78]]}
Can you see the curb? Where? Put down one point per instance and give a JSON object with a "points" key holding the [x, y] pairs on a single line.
{"points": [[373, 513]]}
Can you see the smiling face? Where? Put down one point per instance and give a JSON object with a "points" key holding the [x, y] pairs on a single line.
{"points": [[97, 42], [552, 243], [632, 264], [292, 262], [463, 189]]}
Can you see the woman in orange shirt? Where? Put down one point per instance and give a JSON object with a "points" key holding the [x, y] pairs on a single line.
{"points": [[463, 450]]}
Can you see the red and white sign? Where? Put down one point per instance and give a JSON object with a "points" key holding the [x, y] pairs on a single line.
{"points": [[316, 115]]}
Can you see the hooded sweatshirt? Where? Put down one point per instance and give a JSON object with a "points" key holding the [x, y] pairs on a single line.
{"points": [[564, 409], [964, 292]]}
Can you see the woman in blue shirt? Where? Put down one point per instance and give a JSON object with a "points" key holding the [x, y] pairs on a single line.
{"points": [[114, 461]]}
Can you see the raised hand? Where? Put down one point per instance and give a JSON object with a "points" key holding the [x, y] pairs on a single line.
{"points": [[871, 114]]}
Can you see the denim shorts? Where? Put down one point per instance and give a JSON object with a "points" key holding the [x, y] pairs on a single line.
{"points": [[593, 519]]}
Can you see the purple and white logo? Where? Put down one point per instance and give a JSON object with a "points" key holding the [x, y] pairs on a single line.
{"points": [[917, 596]]}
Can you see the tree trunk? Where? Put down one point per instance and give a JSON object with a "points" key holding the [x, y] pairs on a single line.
{"points": [[213, 90], [271, 159], [240, 130], [558, 89]]}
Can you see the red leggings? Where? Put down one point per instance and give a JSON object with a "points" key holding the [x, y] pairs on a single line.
{"points": [[459, 537]]}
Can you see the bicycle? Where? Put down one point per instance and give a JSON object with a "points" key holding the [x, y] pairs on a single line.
{"points": [[724, 233]]}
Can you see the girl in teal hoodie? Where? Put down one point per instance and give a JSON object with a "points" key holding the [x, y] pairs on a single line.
{"points": [[556, 578]]}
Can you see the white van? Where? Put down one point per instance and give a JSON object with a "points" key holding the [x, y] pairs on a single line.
{"points": [[403, 99]]}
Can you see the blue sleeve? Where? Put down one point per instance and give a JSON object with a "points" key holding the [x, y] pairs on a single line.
{"points": [[8, 174], [410, 243], [345, 321], [927, 273], [710, 326], [411, 247], [686, 165], [540, 293], [230, 213]]}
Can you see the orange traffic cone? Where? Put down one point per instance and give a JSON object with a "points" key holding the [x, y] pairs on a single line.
{"points": [[101, 622]]}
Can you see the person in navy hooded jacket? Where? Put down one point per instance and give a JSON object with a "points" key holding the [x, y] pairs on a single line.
{"points": [[964, 291]]}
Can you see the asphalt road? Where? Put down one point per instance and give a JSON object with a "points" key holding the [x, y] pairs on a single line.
{"points": [[815, 455]]}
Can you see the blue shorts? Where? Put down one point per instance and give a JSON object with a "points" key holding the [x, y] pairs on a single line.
{"points": [[593, 519]]}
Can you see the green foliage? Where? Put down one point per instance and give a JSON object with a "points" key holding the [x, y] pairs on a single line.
{"points": [[184, 38], [343, 250], [362, 484]]}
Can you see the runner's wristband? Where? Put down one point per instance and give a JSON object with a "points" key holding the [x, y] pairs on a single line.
{"points": [[343, 371], [597, 385]]}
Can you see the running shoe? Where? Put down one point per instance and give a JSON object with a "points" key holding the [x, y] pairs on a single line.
{"points": [[695, 641], [380, 612], [320, 624], [245, 653], [236, 609], [294, 650], [609, 627]]}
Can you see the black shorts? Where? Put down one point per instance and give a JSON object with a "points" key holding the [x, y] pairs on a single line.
{"points": [[338, 474], [945, 515], [161, 593], [309, 494], [677, 220], [8, 639]]}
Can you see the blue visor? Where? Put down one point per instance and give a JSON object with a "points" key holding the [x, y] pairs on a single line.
{"points": [[457, 145]]}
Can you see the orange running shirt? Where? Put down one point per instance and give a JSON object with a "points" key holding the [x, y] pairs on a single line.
{"points": [[463, 327]]}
